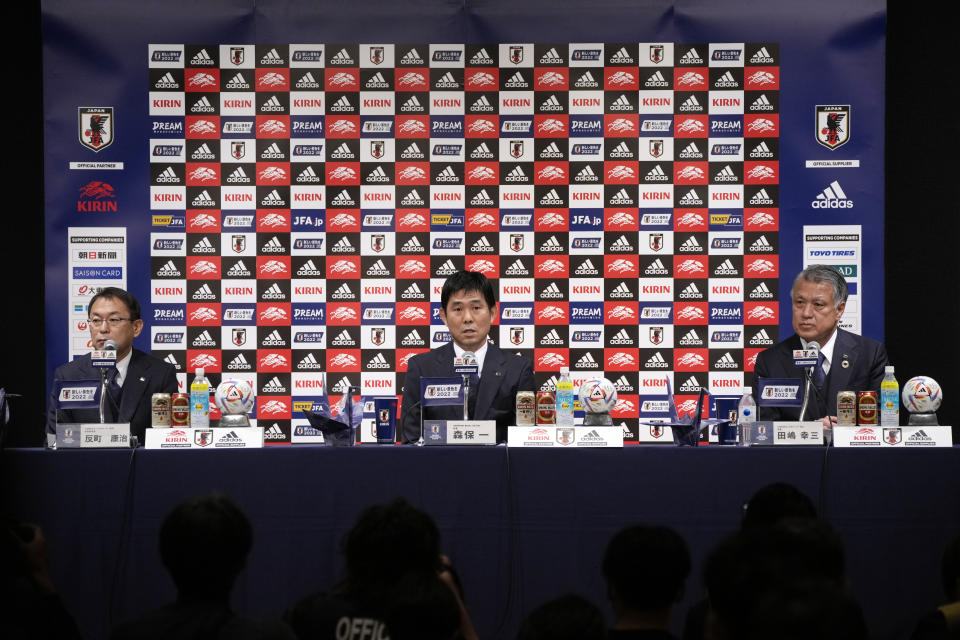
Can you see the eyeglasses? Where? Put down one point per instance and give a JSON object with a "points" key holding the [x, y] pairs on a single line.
{"points": [[113, 322]]}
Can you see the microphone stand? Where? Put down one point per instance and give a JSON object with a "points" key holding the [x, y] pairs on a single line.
{"points": [[808, 374], [466, 396], [103, 393]]}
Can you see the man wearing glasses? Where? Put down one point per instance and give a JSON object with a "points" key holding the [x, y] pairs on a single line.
{"points": [[114, 314]]}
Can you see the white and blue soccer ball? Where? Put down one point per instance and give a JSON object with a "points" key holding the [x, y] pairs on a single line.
{"points": [[234, 396], [921, 394], [598, 395]]}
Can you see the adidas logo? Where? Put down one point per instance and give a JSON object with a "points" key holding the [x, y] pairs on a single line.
{"points": [[481, 104], [446, 269], [203, 246], [621, 244], [656, 175], [761, 292], [377, 81], [621, 104], [517, 269], [691, 292], [656, 80], [204, 200], [447, 81], [166, 81], [343, 292], [412, 57], [447, 175], [204, 339], [239, 363], [761, 151], [621, 198], [622, 57], [622, 291], [378, 175], [274, 292], [342, 105], [516, 175], [309, 269], [726, 268], [481, 57], [726, 81], [761, 198], [760, 339], [551, 57], [586, 268], [551, 198], [412, 105], [172, 361], [343, 199], [623, 385], [342, 57], [691, 105], [378, 269], [239, 270], [551, 245], [273, 432], [271, 58], [690, 385], [761, 104], [274, 386], [378, 362], [691, 57], [413, 339], [273, 245], [726, 175], [551, 151], [308, 175], [691, 152], [551, 338], [412, 246], [169, 270], [551, 104], [412, 199], [272, 105], [551, 292], [656, 268], [587, 175], [412, 292], [239, 176], [516, 81], [203, 153], [691, 339], [726, 361], [586, 81], [482, 245], [833, 197], [622, 338], [307, 81], [656, 361], [342, 152], [202, 58], [482, 199], [482, 152], [342, 385], [309, 362], [412, 152], [343, 340], [587, 362], [761, 245], [761, 57], [204, 293], [237, 82], [691, 199], [273, 152], [621, 151]]}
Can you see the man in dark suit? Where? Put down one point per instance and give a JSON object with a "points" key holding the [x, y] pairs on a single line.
{"points": [[468, 306], [114, 314], [847, 361]]}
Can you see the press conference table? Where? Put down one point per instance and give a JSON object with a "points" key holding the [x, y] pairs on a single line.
{"points": [[521, 525]]}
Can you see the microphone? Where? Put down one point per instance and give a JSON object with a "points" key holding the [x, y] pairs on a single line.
{"points": [[110, 345], [105, 359], [466, 365], [807, 359]]}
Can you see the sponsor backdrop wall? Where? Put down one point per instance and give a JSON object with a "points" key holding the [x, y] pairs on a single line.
{"points": [[285, 188]]}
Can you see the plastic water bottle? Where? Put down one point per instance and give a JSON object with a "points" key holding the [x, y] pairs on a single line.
{"points": [[746, 417], [200, 400], [565, 398], [889, 399]]}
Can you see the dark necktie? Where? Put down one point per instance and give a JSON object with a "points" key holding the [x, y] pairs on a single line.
{"points": [[472, 398], [819, 377], [115, 391]]}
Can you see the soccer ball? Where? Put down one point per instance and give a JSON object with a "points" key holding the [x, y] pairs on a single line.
{"points": [[598, 395], [921, 394], [234, 396]]}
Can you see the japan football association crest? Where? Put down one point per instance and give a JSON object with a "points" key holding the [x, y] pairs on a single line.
{"points": [[655, 148], [656, 53], [376, 55], [236, 55], [96, 127], [516, 54], [833, 125]]}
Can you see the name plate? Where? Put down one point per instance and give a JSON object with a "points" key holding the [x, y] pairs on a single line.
{"points": [[900, 437], [93, 436], [550, 435], [459, 432], [198, 438], [798, 434]]}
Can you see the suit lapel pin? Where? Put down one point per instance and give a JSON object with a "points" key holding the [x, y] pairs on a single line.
{"points": [[845, 363], [142, 379]]}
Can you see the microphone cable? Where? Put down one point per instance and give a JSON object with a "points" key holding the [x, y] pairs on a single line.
{"points": [[514, 570]]}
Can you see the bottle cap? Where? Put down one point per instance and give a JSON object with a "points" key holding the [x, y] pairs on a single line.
{"points": [[888, 368], [564, 371], [199, 372]]}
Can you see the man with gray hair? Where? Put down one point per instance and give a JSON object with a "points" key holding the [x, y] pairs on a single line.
{"points": [[847, 361]]}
